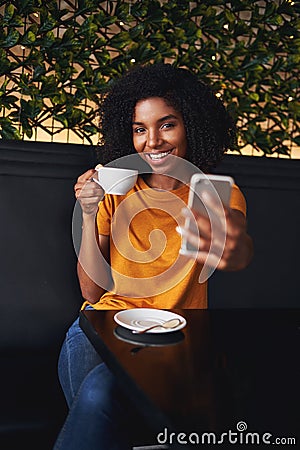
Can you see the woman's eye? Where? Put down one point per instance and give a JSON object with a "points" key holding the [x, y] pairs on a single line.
{"points": [[168, 125], [139, 130]]}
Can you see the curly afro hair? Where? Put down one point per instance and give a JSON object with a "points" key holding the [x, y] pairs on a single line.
{"points": [[210, 130]]}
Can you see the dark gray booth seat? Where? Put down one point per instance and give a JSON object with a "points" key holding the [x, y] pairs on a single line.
{"points": [[272, 190], [39, 290]]}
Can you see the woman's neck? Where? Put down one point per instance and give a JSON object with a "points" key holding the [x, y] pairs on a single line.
{"points": [[163, 182]]}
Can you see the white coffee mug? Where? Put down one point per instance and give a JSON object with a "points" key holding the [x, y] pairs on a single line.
{"points": [[116, 181]]}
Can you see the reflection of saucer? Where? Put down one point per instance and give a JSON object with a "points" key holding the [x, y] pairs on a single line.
{"points": [[149, 340]]}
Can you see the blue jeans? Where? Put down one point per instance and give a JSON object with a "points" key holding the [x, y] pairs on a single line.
{"points": [[77, 358], [97, 419]]}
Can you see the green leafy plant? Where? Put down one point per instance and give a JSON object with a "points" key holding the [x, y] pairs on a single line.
{"points": [[55, 62]]}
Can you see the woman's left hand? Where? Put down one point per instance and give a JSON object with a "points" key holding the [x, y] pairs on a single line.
{"points": [[223, 241]]}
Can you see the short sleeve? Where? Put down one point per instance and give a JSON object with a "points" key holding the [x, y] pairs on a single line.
{"points": [[237, 200]]}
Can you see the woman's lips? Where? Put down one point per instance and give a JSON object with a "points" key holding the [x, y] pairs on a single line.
{"points": [[158, 156]]}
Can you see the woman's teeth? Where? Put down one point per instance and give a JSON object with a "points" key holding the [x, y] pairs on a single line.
{"points": [[158, 156]]}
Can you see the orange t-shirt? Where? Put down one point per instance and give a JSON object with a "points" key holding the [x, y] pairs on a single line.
{"points": [[147, 269]]}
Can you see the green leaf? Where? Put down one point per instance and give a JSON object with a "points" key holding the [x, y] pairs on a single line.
{"points": [[29, 38], [90, 129], [8, 101], [136, 31], [296, 139], [47, 24], [8, 130], [62, 119], [88, 27], [198, 11], [107, 21], [229, 16], [122, 11], [294, 107], [275, 20], [68, 36], [28, 6], [270, 9], [5, 64], [85, 6], [48, 40], [27, 128], [11, 39], [39, 71], [120, 40], [255, 64], [254, 96], [31, 108], [8, 12], [103, 57], [139, 9]]}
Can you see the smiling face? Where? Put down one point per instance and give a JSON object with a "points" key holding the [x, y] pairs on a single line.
{"points": [[158, 132]]}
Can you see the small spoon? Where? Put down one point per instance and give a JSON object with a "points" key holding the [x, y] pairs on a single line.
{"points": [[172, 323]]}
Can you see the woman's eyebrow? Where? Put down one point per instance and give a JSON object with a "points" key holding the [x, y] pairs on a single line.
{"points": [[162, 119], [169, 116]]}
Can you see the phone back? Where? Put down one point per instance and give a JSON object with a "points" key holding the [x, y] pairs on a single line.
{"points": [[218, 186]]}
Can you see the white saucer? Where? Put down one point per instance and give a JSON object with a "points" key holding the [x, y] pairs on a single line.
{"points": [[138, 319]]}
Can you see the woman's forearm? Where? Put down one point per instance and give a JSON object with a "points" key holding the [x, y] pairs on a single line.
{"points": [[92, 268]]}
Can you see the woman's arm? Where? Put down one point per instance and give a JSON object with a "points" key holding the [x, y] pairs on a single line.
{"points": [[93, 259]]}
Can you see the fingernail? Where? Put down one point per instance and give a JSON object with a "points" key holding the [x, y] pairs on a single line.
{"points": [[98, 166]]}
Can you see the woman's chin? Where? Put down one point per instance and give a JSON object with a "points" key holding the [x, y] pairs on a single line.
{"points": [[162, 166]]}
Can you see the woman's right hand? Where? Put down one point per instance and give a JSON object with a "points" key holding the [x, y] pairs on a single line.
{"points": [[88, 193]]}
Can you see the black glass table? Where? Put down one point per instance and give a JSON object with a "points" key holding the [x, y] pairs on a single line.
{"points": [[234, 372]]}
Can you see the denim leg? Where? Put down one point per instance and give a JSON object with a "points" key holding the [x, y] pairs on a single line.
{"points": [[77, 358], [97, 419]]}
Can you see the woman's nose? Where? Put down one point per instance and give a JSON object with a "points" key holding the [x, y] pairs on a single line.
{"points": [[154, 139]]}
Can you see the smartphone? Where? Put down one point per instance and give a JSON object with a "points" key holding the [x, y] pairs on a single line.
{"points": [[218, 186]]}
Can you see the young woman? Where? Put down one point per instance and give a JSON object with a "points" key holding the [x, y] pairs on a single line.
{"points": [[173, 123]]}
